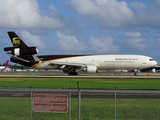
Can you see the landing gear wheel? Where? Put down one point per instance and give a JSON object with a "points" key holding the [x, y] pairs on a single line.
{"points": [[135, 74], [72, 73], [75, 73]]}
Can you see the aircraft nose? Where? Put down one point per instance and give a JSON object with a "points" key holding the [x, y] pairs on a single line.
{"points": [[155, 63]]}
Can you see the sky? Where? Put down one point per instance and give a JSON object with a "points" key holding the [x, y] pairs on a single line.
{"points": [[83, 26]]}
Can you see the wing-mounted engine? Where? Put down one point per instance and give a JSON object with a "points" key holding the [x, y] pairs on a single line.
{"points": [[21, 51], [90, 69]]}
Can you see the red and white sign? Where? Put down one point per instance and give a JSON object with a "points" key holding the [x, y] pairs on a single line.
{"points": [[50, 103]]}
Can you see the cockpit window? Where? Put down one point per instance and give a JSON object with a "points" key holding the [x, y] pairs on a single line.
{"points": [[151, 59]]}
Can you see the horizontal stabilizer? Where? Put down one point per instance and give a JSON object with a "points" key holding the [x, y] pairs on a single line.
{"points": [[18, 58]]}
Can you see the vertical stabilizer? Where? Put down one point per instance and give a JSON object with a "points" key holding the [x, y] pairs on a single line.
{"points": [[6, 63], [16, 40]]}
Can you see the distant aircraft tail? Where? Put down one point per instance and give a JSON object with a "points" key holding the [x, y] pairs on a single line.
{"points": [[20, 52], [6, 63]]}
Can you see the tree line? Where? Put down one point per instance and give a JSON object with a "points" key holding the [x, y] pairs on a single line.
{"points": [[16, 66]]}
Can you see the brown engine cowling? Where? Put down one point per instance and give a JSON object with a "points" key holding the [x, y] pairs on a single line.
{"points": [[21, 51]]}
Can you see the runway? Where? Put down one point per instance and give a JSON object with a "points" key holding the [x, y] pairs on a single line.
{"points": [[81, 75]]}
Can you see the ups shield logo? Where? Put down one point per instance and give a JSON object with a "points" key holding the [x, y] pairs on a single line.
{"points": [[16, 41]]}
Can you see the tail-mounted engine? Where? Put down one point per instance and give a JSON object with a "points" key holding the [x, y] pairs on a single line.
{"points": [[21, 51]]}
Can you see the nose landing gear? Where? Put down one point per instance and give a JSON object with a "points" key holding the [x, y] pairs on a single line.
{"points": [[135, 74]]}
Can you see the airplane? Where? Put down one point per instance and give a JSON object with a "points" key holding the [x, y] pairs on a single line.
{"points": [[22, 54], [5, 65]]}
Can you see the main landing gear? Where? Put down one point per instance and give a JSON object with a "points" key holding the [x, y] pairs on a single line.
{"points": [[72, 72]]}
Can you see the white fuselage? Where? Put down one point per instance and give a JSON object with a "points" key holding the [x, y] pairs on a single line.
{"points": [[2, 68], [107, 62]]}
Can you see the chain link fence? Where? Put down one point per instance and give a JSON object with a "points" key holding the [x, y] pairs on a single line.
{"points": [[79, 104]]}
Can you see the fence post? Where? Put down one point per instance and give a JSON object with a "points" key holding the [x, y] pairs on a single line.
{"points": [[79, 102], [70, 103], [115, 104], [31, 105]]}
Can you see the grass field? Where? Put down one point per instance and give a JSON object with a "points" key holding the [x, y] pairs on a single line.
{"points": [[127, 109], [19, 108], [152, 84]]}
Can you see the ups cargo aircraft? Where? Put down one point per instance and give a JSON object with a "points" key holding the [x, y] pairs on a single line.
{"points": [[22, 54]]}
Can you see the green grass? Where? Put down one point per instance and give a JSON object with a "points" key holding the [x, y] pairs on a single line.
{"points": [[91, 109], [19, 108], [153, 84]]}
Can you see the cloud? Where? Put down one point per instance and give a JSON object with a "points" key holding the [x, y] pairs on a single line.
{"points": [[138, 5], [103, 45], [54, 11], [25, 14], [33, 40], [70, 43], [111, 13], [158, 1], [136, 41], [119, 13], [95, 45]]}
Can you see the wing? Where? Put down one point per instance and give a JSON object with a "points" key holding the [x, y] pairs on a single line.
{"points": [[70, 67], [63, 65], [71, 64]]}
